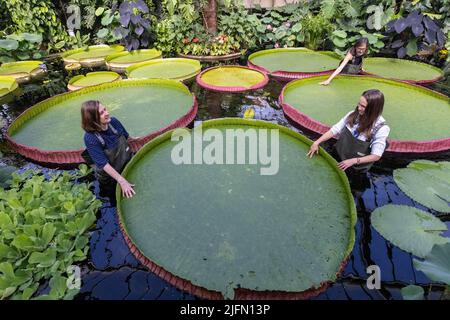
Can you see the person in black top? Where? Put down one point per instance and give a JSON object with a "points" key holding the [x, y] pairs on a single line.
{"points": [[352, 63], [107, 148]]}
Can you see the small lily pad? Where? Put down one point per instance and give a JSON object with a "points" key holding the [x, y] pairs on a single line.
{"points": [[409, 228], [426, 182], [436, 265]]}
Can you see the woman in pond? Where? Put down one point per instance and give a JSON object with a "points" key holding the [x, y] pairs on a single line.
{"points": [[352, 63], [107, 147], [362, 133]]}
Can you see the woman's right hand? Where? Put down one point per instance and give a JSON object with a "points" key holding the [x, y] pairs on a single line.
{"points": [[325, 83], [314, 149], [127, 188]]}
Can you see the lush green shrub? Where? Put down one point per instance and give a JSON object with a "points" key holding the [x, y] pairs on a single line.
{"points": [[37, 16], [43, 225], [22, 46]]}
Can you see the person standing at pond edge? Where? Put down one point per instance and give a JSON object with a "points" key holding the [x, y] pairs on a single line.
{"points": [[106, 146], [362, 134], [352, 63]]}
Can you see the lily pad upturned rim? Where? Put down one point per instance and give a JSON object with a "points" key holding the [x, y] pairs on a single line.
{"points": [[420, 82], [287, 75], [13, 85], [90, 62], [187, 77], [120, 66], [241, 294], [231, 89], [72, 86], [73, 156], [395, 146], [225, 57], [23, 77]]}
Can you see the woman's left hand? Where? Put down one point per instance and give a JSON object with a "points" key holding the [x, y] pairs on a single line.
{"points": [[343, 165]]}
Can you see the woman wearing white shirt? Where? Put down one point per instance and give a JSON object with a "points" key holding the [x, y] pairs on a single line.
{"points": [[362, 133]]}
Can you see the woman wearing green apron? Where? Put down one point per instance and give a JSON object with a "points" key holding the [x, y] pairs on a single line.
{"points": [[352, 63], [107, 148], [362, 134]]}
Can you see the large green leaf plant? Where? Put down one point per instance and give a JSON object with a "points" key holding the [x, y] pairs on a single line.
{"points": [[44, 226]]}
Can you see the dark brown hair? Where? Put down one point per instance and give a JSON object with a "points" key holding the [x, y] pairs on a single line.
{"points": [[375, 103], [90, 116], [361, 42]]}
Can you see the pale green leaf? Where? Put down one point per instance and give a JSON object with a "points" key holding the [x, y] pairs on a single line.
{"points": [[412, 292], [409, 228], [436, 265]]}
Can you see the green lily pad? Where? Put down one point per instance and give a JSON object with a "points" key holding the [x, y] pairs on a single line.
{"points": [[222, 226], [232, 78], [409, 228], [22, 71], [401, 69], [412, 112], [92, 79], [436, 265], [120, 61], [295, 60], [412, 292], [173, 68], [92, 56], [143, 106], [426, 182], [7, 85]]}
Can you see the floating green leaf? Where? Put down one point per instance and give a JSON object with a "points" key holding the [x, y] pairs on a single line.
{"points": [[401, 69], [294, 60], [409, 228], [436, 265], [245, 235], [426, 182], [412, 292]]}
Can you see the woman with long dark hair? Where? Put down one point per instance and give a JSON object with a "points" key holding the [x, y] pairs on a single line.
{"points": [[107, 147], [352, 63], [362, 133]]}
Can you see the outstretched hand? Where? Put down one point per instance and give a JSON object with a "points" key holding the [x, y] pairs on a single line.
{"points": [[325, 83], [127, 188], [314, 149], [343, 165]]}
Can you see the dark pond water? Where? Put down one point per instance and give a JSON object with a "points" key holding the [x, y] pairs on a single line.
{"points": [[112, 272]]}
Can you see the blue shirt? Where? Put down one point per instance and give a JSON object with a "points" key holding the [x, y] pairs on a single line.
{"points": [[95, 147]]}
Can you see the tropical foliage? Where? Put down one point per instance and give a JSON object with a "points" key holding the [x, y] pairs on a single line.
{"points": [[44, 223]]}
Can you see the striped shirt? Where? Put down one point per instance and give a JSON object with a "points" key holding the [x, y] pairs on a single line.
{"points": [[95, 147], [378, 142]]}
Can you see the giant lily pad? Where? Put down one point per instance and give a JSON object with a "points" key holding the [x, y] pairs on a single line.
{"points": [[232, 79], [92, 79], [400, 69], [409, 228], [50, 131], [293, 63], [7, 85], [23, 71], [418, 117], [93, 56], [217, 229], [118, 62], [426, 182], [174, 68], [436, 265]]}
